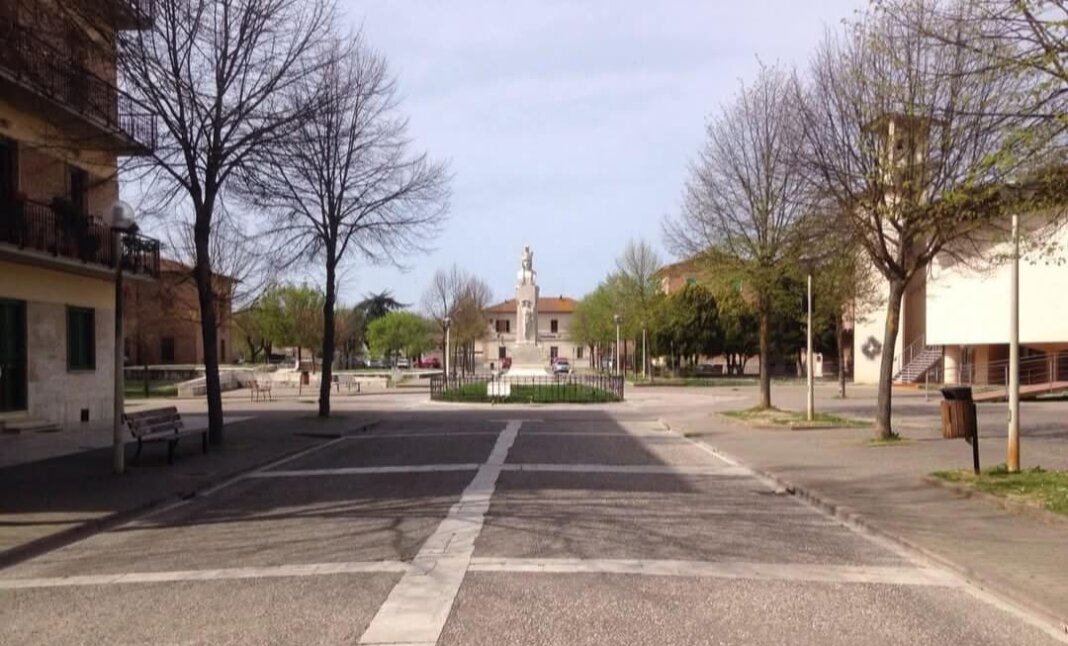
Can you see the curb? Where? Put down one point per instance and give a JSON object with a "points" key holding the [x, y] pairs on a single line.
{"points": [[1031, 510], [45, 544], [853, 519]]}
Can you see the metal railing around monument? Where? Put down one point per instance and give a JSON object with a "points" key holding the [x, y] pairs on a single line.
{"points": [[562, 388]]}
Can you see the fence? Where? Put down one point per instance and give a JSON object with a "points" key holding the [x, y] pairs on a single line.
{"points": [[584, 388]]}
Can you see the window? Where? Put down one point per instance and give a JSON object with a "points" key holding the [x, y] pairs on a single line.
{"points": [[166, 349], [554, 326], [554, 352], [507, 326], [578, 351], [78, 183], [501, 352], [81, 338]]}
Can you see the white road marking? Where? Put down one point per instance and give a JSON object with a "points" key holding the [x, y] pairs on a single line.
{"points": [[634, 469], [297, 570], [349, 471], [722, 570], [419, 605]]}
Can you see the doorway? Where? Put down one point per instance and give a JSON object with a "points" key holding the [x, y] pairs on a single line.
{"points": [[12, 355]]}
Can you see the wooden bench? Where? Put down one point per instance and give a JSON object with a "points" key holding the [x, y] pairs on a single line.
{"points": [[260, 388], [161, 425]]}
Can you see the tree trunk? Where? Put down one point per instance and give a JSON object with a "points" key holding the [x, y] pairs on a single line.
{"points": [[328, 340], [765, 375], [208, 332], [883, 406]]}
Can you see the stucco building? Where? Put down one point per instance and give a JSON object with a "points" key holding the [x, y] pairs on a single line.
{"points": [[554, 322], [63, 124]]}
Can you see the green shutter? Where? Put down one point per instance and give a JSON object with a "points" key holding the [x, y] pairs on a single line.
{"points": [[81, 338]]}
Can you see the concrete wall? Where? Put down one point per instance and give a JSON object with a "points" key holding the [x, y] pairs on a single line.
{"points": [[868, 336], [54, 393]]}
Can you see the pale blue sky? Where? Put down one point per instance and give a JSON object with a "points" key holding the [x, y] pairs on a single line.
{"points": [[568, 124]]}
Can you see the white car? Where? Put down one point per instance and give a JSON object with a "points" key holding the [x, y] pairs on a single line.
{"points": [[403, 363]]}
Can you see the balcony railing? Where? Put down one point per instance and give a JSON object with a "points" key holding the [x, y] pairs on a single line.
{"points": [[40, 227], [35, 63]]}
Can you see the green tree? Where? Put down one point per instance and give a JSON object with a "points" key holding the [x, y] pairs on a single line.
{"points": [[591, 322], [690, 324], [746, 198], [399, 332], [377, 305]]}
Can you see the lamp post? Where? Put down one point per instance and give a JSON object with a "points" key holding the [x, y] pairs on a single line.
{"points": [[448, 327], [645, 354], [121, 222], [617, 319], [1012, 457], [809, 265]]}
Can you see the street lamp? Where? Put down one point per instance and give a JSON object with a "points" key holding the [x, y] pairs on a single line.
{"points": [[448, 326], [1012, 457], [617, 319], [122, 220]]}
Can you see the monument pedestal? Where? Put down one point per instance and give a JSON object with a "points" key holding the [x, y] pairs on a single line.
{"points": [[527, 361]]}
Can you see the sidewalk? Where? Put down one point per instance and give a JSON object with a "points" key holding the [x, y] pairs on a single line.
{"points": [[45, 503], [1019, 557]]}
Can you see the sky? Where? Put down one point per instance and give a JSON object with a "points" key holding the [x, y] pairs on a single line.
{"points": [[567, 125]]}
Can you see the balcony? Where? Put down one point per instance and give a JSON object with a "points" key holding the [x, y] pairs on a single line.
{"points": [[35, 65], [61, 233]]}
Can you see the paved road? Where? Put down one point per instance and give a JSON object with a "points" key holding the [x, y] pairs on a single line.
{"points": [[501, 526]]}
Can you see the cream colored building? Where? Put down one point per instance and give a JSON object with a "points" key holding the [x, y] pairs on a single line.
{"points": [[955, 319], [63, 123], [554, 321]]}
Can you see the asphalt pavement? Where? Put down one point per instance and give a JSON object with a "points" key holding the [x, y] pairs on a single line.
{"points": [[504, 525]]}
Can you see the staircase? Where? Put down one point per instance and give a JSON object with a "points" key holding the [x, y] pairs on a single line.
{"points": [[917, 359]]}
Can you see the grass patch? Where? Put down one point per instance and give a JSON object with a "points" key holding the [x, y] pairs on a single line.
{"points": [[563, 393], [1047, 489], [136, 389], [793, 419]]}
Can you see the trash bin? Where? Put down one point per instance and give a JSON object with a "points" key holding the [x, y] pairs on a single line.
{"points": [[958, 413]]}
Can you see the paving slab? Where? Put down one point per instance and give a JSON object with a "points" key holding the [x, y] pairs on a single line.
{"points": [[260, 522], [303, 610], [575, 610], [406, 450], [622, 449], [573, 515]]}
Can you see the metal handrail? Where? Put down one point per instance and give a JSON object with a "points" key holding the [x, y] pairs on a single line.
{"points": [[58, 75], [1034, 370], [84, 237]]}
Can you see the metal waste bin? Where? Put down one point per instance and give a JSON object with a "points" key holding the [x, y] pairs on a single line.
{"points": [[958, 412]]}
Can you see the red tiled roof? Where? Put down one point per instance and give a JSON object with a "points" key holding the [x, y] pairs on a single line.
{"points": [[546, 304]]}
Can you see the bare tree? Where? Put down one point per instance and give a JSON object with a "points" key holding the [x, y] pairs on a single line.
{"points": [[745, 200], [462, 298], [344, 182], [638, 290], [216, 74], [912, 140]]}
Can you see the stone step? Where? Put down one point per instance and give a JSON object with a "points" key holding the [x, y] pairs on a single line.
{"points": [[27, 425]]}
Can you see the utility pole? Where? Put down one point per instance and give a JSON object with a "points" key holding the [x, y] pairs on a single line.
{"points": [[809, 359], [448, 326], [616, 319], [1012, 458], [645, 355]]}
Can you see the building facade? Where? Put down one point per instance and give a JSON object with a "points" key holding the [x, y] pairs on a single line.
{"points": [[63, 125], [161, 319], [553, 321]]}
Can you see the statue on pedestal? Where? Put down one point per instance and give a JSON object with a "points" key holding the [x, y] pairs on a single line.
{"points": [[526, 274], [526, 300]]}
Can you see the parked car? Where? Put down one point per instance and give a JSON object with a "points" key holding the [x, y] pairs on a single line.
{"points": [[429, 363], [708, 370], [561, 366], [506, 363], [403, 362]]}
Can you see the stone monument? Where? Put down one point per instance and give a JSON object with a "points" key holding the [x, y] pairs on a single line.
{"points": [[526, 352]]}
